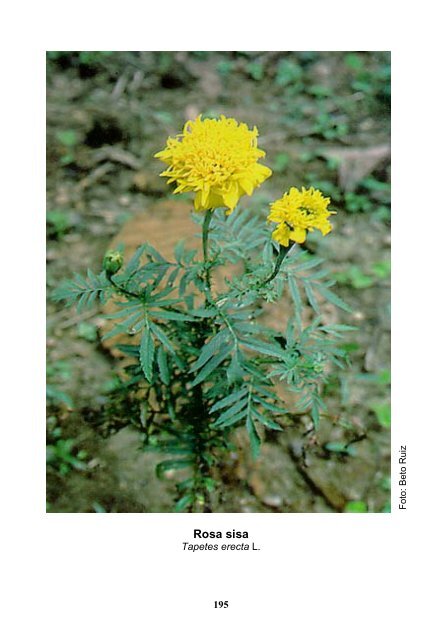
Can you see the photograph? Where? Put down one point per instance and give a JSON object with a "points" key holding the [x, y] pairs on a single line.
{"points": [[218, 244]]}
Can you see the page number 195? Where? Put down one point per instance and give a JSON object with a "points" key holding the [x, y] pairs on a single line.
{"points": [[221, 604]]}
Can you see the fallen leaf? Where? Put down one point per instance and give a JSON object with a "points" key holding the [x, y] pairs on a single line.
{"points": [[356, 163]]}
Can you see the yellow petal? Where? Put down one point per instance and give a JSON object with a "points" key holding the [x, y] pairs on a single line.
{"points": [[282, 234], [298, 235], [205, 193], [197, 202], [231, 197], [247, 185], [324, 227]]}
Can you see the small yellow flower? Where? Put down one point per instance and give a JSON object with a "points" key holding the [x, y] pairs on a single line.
{"points": [[216, 159], [298, 212]]}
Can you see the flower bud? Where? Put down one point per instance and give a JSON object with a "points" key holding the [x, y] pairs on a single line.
{"points": [[112, 262]]}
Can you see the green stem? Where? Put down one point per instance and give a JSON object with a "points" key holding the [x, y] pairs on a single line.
{"points": [[283, 251], [121, 289], [206, 225]]}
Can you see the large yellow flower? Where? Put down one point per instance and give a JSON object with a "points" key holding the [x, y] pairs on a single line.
{"points": [[217, 159], [298, 212]]}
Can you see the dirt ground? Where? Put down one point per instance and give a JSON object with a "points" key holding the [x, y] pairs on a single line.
{"points": [[324, 121]]}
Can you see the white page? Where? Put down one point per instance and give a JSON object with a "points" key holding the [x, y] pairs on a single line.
{"points": [[127, 575]]}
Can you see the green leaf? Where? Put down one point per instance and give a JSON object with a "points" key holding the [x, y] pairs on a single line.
{"points": [[354, 61], [355, 277], [147, 354], [333, 298], [337, 329], [340, 447], [204, 313], [162, 337], [212, 364], [256, 70], [59, 397], [384, 377], [223, 422], [163, 366], [83, 291], [234, 409], [87, 331], [383, 414], [209, 349], [168, 465], [381, 269], [311, 297], [150, 250], [268, 406], [255, 441], [183, 503], [228, 400], [356, 506], [171, 315], [128, 326], [68, 138], [266, 421], [134, 262], [58, 222], [294, 291], [224, 67], [288, 73], [265, 348]]}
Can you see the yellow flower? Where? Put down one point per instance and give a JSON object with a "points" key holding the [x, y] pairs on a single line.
{"points": [[216, 159], [298, 212]]}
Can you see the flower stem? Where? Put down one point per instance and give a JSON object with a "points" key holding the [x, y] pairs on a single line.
{"points": [[206, 225], [283, 251], [120, 288]]}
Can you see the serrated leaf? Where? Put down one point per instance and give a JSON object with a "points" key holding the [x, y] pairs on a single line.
{"points": [[264, 348], [307, 265], [126, 309], [179, 251], [311, 297], [204, 313], [237, 417], [129, 349], [209, 350], [171, 315], [163, 366], [147, 354], [236, 408], [265, 420], [162, 337], [336, 329], [134, 261], [296, 296], [255, 440], [150, 250], [333, 298], [228, 400], [123, 327], [212, 364]]}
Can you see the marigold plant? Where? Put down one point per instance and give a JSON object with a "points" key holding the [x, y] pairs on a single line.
{"points": [[204, 362]]}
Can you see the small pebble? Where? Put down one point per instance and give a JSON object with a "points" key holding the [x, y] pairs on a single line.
{"points": [[273, 501]]}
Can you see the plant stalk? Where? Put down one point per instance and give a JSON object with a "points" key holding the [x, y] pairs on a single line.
{"points": [[206, 224], [283, 251]]}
